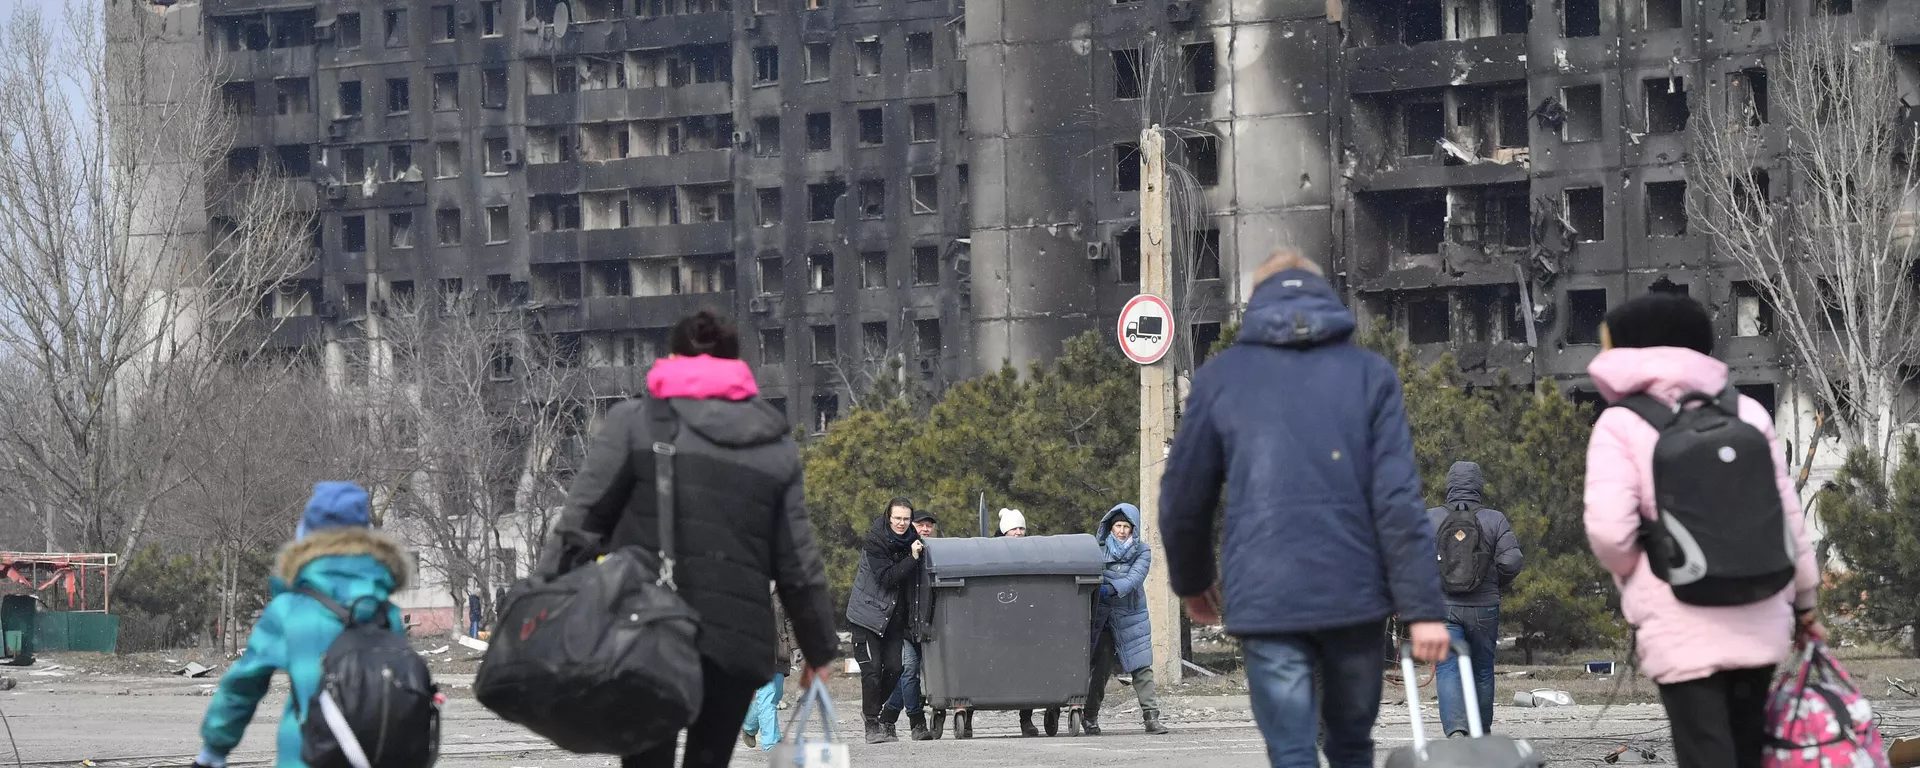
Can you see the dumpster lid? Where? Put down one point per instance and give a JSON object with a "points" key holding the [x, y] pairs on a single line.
{"points": [[1071, 555]]}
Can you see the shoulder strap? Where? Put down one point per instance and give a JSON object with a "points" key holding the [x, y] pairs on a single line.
{"points": [[666, 425], [1729, 401], [342, 612], [1644, 406]]}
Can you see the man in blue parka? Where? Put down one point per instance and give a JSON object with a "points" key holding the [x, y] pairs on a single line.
{"points": [[1122, 630], [336, 552], [1326, 534]]}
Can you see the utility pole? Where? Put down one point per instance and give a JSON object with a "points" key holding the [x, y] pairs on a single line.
{"points": [[1157, 402]]}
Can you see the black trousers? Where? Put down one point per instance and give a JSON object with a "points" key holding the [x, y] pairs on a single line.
{"points": [[880, 667], [711, 738], [1719, 721]]}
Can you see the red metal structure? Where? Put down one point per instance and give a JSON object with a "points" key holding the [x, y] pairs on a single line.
{"points": [[86, 578]]}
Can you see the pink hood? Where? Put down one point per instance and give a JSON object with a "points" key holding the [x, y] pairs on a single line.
{"points": [[701, 378], [1678, 642], [1667, 373]]}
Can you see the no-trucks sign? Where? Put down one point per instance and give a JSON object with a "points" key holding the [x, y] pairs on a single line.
{"points": [[1146, 329]]}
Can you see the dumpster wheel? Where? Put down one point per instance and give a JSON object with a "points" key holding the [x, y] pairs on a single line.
{"points": [[963, 723], [1073, 723], [1052, 721]]}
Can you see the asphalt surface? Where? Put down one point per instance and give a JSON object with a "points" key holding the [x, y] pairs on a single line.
{"points": [[153, 722]]}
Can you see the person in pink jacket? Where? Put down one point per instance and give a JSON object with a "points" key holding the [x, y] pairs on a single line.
{"points": [[1713, 665]]}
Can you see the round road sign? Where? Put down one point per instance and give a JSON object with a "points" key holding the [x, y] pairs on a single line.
{"points": [[1146, 329]]}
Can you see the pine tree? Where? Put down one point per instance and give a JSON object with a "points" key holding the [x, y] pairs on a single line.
{"points": [[1874, 531]]}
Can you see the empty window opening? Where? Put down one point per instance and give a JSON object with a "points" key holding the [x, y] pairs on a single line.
{"points": [[1514, 114], [1206, 255], [446, 160], [1756, 10], [293, 97], [356, 300], [826, 344], [926, 123], [444, 26], [399, 95], [1429, 320], [494, 156], [766, 137], [610, 278], [446, 92], [874, 341], [493, 89], [819, 62], [1126, 74], [770, 207], [353, 234], [346, 32], [490, 18], [1667, 110], [293, 160], [820, 132], [773, 346], [1205, 336], [926, 338], [773, 275], [1127, 267], [243, 162], [1587, 212], [1580, 18], [1752, 313], [1663, 14], [350, 104], [1203, 159], [1515, 15], [353, 164], [497, 224], [1586, 311], [1753, 194], [873, 198], [826, 408], [873, 127], [1833, 7], [1126, 167], [1425, 226], [396, 28], [400, 230], [867, 58], [1583, 121], [920, 52], [1203, 68], [239, 99], [766, 65], [1421, 21], [1750, 89], [446, 223], [1666, 285], [1424, 124], [400, 163], [926, 265], [501, 291], [926, 194], [822, 199], [1667, 209], [873, 269], [553, 213]]}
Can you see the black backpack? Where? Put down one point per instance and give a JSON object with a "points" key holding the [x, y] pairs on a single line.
{"points": [[1465, 554], [1721, 537], [605, 658], [377, 705]]}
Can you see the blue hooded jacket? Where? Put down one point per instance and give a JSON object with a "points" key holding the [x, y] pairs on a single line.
{"points": [[352, 564], [1325, 525], [1125, 611]]}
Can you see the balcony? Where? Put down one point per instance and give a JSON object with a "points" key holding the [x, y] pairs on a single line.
{"points": [[621, 313], [632, 242], [297, 61], [714, 167], [1399, 67], [630, 104]]}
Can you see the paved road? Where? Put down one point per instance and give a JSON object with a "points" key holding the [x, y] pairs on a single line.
{"points": [[129, 722]]}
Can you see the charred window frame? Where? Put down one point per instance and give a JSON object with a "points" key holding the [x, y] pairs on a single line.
{"points": [[1585, 118], [397, 30], [773, 346], [1666, 204], [766, 65], [1580, 18], [1666, 105], [820, 132], [766, 137], [1423, 123], [926, 123], [1429, 318], [1748, 96], [1202, 65], [1586, 211], [920, 52], [1586, 312], [926, 265], [1126, 167], [1129, 75], [347, 34]]}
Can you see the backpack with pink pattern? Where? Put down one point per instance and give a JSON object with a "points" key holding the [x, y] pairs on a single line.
{"points": [[1817, 718]]}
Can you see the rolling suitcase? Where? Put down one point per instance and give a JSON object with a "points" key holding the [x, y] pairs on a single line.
{"points": [[1482, 750]]}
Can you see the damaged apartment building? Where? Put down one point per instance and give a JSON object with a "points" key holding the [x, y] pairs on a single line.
{"points": [[613, 165]]}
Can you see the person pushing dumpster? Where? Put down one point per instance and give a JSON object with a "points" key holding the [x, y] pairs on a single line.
{"points": [[1122, 630], [888, 564]]}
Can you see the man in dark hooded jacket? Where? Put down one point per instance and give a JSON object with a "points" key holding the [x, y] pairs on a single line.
{"points": [[1473, 615], [877, 611], [1324, 537]]}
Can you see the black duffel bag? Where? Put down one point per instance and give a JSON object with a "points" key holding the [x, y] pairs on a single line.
{"points": [[603, 659]]}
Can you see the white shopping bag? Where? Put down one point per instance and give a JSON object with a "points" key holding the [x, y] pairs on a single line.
{"points": [[796, 750]]}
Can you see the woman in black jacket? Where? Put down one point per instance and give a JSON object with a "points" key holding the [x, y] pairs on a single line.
{"points": [[741, 523], [878, 615]]}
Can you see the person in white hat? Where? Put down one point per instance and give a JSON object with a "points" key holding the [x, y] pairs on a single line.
{"points": [[1012, 523]]}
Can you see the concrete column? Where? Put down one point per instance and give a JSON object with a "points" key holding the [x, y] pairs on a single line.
{"points": [[1157, 402]]}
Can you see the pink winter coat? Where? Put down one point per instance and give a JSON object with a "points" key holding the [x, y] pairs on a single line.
{"points": [[1678, 642]]}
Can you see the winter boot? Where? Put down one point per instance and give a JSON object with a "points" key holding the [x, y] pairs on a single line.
{"points": [[875, 733], [919, 722], [889, 719], [1090, 721], [1026, 723], [1152, 718], [939, 723]]}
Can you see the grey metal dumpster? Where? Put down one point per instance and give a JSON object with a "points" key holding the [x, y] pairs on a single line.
{"points": [[1008, 624]]}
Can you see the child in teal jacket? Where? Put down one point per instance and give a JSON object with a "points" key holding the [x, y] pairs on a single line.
{"points": [[335, 551]]}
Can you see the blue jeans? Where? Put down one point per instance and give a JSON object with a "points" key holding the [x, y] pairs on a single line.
{"points": [[906, 695], [763, 718], [1280, 672], [1479, 628]]}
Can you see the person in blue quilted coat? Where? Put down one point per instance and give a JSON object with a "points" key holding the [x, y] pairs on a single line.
{"points": [[1122, 630]]}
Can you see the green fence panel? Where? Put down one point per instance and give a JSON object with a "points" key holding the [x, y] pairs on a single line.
{"points": [[93, 632], [50, 631]]}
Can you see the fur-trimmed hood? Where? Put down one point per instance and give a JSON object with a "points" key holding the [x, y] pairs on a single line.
{"points": [[350, 553]]}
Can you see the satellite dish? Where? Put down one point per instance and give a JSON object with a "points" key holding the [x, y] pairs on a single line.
{"points": [[562, 19]]}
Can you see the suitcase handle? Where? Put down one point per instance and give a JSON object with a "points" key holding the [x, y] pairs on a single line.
{"points": [[1475, 728], [815, 697]]}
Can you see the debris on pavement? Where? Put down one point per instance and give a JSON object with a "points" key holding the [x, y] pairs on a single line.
{"points": [[1627, 755], [194, 669], [1542, 697], [478, 645], [440, 650], [1599, 667]]}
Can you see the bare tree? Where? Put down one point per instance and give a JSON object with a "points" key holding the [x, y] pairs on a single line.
{"points": [[1833, 256], [121, 304]]}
